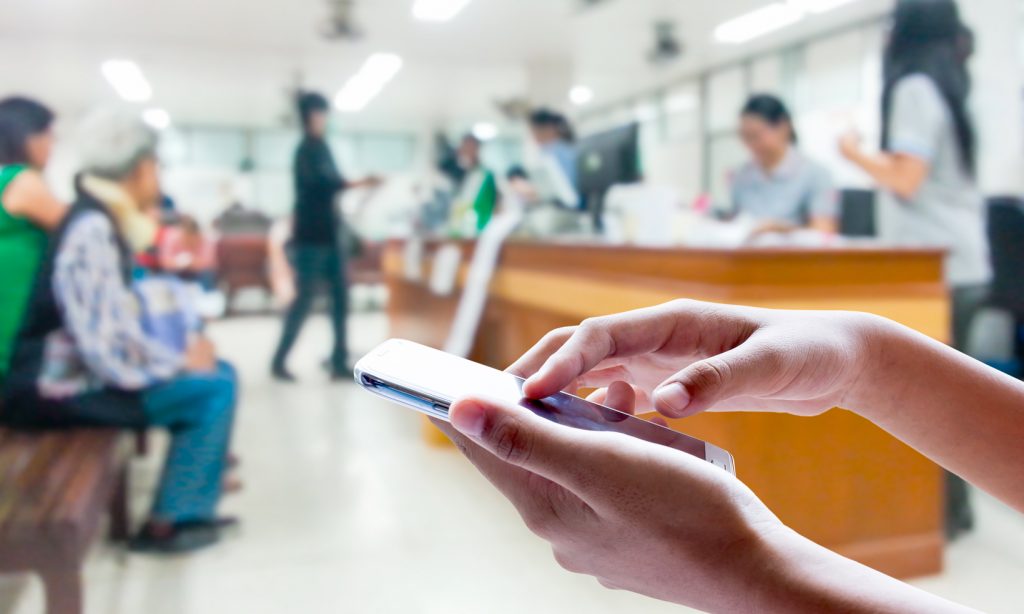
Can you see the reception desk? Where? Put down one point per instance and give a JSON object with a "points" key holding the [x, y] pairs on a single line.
{"points": [[836, 479]]}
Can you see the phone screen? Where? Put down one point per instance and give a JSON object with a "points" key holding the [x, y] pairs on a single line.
{"points": [[430, 381], [579, 413]]}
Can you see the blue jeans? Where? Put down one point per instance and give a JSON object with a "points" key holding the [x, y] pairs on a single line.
{"points": [[198, 409]]}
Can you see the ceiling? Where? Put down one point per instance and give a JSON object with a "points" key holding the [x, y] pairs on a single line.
{"points": [[232, 61]]}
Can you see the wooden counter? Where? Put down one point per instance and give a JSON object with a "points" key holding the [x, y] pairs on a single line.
{"points": [[836, 479]]}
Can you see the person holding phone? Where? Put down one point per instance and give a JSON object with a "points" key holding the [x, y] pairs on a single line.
{"points": [[927, 167], [656, 521]]}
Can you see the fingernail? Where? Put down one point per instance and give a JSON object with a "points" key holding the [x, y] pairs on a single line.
{"points": [[674, 396], [468, 419], [531, 384]]}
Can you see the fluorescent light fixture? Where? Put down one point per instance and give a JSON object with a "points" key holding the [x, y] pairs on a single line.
{"points": [[157, 118], [771, 18], [818, 6], [437, 10], [362, 87], [682, 102], [758, 23], [127, 80], [485, 131], [581, 95]]}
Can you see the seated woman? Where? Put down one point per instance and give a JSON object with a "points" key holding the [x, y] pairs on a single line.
{"points": [[83, 358], [27, 210], [780, 187], [649, 519]]}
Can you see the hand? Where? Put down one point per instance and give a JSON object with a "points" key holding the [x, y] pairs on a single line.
{"points": [[655, 521], [686, 357], [201, 356], [634, 515], [850, 145], [373, 181]]}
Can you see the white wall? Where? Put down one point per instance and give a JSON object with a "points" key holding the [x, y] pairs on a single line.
{"points": [[833, 84]]}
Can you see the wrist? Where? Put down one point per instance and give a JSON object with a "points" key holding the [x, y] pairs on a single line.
{"points": [[783, 574], [797, 575], [878, 346]]}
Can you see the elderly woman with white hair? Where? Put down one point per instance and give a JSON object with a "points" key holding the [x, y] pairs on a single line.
{"points": [[83, 357]]}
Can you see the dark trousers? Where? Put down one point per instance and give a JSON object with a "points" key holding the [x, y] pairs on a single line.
{"points": [[967, 300], [317, 267]]}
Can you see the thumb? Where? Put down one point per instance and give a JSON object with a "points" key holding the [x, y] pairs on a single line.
{"points": [[746, 371], [517, 436]]}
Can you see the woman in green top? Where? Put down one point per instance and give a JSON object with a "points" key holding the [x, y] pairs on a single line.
{"points": [[28, 210]]}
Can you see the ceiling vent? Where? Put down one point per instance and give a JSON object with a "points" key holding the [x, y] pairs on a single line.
{"points": [[341, 22], [667, 46]]}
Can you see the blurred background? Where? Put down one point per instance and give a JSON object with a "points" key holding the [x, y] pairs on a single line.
{"points": [[609, 139]]}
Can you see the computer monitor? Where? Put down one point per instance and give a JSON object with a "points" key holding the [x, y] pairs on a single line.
{"points": [[606, 160]]}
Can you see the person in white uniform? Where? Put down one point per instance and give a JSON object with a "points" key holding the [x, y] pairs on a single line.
{"points": [[926, 169]]}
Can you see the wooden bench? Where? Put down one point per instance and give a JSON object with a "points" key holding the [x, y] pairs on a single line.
{"points": [[55, 489]]}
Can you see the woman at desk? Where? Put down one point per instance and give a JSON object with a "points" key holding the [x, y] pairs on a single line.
{"points": [[557, 141], [476, 195], [780, 187], [927, 165]]}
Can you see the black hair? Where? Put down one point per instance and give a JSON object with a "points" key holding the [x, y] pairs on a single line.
{"points": [[772, 110], [311, 103], [928, 38], [20, 119], [517, 172], [546, 118]]}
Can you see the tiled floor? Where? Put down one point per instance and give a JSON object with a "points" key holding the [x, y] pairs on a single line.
{"points": [[346, 510]]}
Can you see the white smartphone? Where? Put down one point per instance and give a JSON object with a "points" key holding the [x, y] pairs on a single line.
{"points": [[429, 381]]}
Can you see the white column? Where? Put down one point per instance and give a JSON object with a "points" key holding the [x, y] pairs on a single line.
{"points": [[998, 102]]}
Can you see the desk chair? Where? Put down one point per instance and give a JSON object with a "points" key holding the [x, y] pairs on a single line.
{"points": [[1006, 236]]}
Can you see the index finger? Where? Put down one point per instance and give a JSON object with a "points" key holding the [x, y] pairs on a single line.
{"points": [[597, 339], [534, 358]]}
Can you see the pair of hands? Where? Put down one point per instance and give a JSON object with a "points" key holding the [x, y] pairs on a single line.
{"points": [[201, 355], [642, 517]]}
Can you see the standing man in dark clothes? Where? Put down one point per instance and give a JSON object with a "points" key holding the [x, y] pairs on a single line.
{"points": [[318, 255]]}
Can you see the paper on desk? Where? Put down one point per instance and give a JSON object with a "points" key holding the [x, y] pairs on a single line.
{"points": [[412, 258], [445, 272], [481, 272]]}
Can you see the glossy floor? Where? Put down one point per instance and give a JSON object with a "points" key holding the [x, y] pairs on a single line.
{"points": [[346, 510]]}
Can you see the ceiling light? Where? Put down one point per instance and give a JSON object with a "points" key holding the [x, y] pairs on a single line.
{"points": [[127, 80], [758, 23], [485, 131], [437, 10], [157, 118], [681, 103], [771, 18], [581, 95], [362, 87], [818, 6]]}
